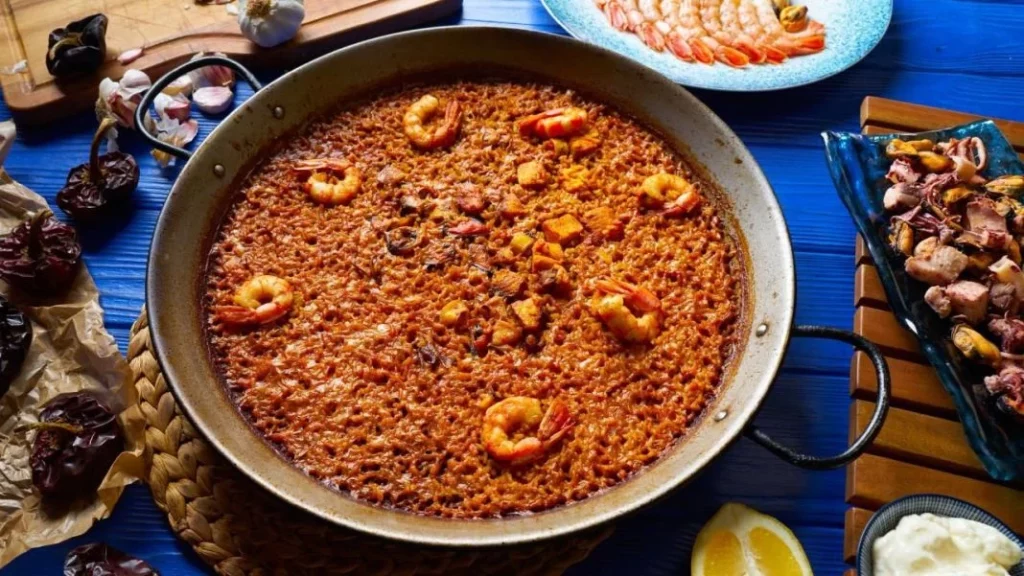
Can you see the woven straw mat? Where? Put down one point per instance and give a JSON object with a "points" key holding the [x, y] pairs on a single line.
{"points": [[239, 529]]}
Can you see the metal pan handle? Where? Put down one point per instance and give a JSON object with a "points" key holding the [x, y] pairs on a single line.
{"points": [[870, 432], [159, 85]]}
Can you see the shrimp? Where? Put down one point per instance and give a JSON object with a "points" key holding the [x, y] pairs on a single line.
{"points": [[616, 15], [752, 27], [323, 185], [675, 37], [555, 123], [718, 40], [808, 41], [518, 413], [692, 29], [674, 194], [742, 41], [261, 300], [648, 29], [630, 312], [422, 111]]}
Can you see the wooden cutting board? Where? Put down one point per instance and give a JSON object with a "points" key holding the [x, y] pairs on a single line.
{"points": [[922, 447], [171, 31]]}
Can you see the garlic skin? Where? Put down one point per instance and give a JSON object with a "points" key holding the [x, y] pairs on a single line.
{"points": [[270, 22]]}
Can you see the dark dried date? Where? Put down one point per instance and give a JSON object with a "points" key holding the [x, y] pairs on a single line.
{"points": [[41, 255], [99, 559], [78, 440], [15, 339]]}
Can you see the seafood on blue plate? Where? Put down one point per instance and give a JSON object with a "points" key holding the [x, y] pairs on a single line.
{"points": [[961, 234]]}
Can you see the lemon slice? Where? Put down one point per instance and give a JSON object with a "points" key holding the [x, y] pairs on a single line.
{"points": [[740, 541]]}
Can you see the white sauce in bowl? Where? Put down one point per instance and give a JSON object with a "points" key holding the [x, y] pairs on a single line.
{"points": [[927, 545]]}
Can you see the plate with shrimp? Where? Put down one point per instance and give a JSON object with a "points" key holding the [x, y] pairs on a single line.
{"points": [[732, 45]]}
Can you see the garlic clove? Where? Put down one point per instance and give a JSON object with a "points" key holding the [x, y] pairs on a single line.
{"points": [[133, 83], [129, 56], [181, 85], [213, 99], [212, 75], [177, 107]]}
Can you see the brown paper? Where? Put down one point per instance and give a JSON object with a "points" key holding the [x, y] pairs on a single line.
{"points": [[71, 351]]}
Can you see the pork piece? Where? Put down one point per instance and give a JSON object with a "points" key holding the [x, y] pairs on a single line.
{"points": [[1003, 297], [901, 197], [925, 247], [1010, 332], [936, 297], [942, 266], [968, 299], [982, 216], [902, 170], [1008, 388]]}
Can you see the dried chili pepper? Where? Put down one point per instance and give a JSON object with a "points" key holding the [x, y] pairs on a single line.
{"points": [[99, 559], [41, 255], [78, 440], [104, 182], [15, 338], [78, 48]]}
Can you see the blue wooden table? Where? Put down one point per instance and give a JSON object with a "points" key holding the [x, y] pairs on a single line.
{"points": [[959, 54]]}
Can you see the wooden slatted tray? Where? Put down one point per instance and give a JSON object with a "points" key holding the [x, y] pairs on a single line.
{"points": [[922, 447]]}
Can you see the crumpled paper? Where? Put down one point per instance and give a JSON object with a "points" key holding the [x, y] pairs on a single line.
{"points": [[71, 351]]}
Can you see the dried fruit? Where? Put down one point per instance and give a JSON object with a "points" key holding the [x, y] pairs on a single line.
{"points": [[99, 559], [78, 48], [78, 440], [103, 183], [15, 339], [41, 255]]}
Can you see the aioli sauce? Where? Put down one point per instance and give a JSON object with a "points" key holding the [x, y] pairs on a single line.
{"points": [[926, 544]]}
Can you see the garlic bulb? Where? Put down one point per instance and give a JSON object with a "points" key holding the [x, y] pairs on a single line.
{"points": [[270, 22]]}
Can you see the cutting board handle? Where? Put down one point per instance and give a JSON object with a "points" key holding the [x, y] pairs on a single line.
{"points": [[873, 427], [166, 79]]}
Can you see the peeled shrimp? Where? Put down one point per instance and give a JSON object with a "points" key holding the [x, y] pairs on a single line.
{"points": [[648, 29], [711, 16]]}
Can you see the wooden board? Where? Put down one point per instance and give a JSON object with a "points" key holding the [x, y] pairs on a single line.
{"points": [[171, 31], [922, 447]]}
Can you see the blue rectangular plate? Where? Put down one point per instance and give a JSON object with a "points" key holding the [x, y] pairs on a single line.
{"points": [[858, 166]]}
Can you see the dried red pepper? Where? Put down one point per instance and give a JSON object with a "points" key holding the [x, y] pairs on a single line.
{"points": [[41, 255], [78, 440], [15, 339], [99, 559], [78, 48], [101, 184]]}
